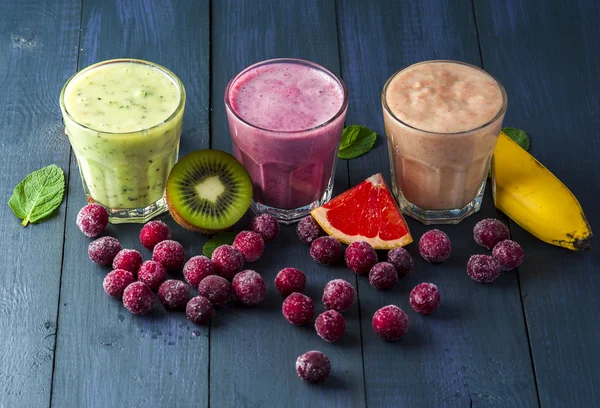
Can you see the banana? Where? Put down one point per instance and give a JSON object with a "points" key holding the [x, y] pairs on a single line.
{"points": [[536, 199]]}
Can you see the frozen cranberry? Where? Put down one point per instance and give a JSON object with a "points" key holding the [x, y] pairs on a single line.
{"points": [[298, 309], [92, 219], [509, 254], [402, 261], [266, 225], [103, 250], [116, 282], [489, 232], [198, 268], [338, 295], [138, 298], [227, 261], [154, 232], [308, 229], [174, 294], [313, 366], [360, 257], [250, 244], [249, 288], [326, 250], [383, 276], [434, 246], [425, 298], [153, 274], [330, 326], [390, 322], [290, 280], [216, 289], [170, 254], [128, 259], [483, 268], [199, 310]]}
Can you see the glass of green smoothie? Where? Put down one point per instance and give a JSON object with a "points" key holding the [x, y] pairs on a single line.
{"points": [[123, 118]]}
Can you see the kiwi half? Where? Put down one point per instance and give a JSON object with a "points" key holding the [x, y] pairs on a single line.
{"points": [[208, 191]]}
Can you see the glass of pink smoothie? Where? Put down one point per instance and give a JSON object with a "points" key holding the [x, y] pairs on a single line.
{"points": [[442, 120], [286, 118]]}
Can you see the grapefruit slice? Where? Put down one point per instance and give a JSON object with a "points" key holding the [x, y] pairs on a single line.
{"points": [[366, 212]]}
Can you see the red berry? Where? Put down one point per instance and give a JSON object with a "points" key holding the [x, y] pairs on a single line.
{"points": [[330, 326], [216, 289], [308, 229], [360, 257], [249, 288], [154, 232], [227, 261], [174, 294], [128, 259], [402, 261], [103, 250], [434, 246], [298, 309], [92, 219], [483, 268], [390, 322], [138, 298], [199, 310], [170, 254], [489, 232], [198, 268], [509, 254], [116, 282], [326, 250], [338, 295], [266, 225], [290, 280], [153, 274], [250, 244], [383, 276], [425, 298], [313, 366]]}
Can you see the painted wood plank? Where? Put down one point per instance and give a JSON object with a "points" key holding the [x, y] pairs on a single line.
{"points": [[253, 351], [546, 55], [473, 351], [105, 356], [32, 33]]}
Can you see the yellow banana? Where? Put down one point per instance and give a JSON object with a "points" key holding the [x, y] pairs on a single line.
{"points": [[536, 199]]}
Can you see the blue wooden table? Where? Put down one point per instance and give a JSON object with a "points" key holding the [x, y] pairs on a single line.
{"points": [[530, 339]]}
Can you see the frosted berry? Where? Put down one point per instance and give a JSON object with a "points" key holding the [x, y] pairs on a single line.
{"points": [[174, 294], [308, 229], [170, 254], [198, 268], [313, 366], [390, 323], [138, 298], [509, 254], [154, 232], [92, 219], [330, 326], [290, 280], [116, 282], [298, 309], [128, 259], [402, 261], [326, 250], [103, 250], [489, 232], [483, 268], [216, 289], [338, 295], [383, 276], [249, 287], [425, 298], [434, 246], [153, 274], [250, 244], [360, 257], [199, 310], [266, 225], [227, 261]]}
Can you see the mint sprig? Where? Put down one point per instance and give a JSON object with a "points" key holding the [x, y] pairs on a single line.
{"points": [[222, 238], [518, 136], [356, 141]]}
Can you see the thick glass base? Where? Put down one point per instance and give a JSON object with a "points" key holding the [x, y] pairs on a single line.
{"points": [[134, 215]]}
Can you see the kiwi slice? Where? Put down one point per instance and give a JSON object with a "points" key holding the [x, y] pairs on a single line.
{"points": [[208, 191]]}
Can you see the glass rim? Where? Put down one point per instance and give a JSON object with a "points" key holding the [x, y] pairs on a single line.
{"points": [[495, 118], [171, 74], [314, 65]]}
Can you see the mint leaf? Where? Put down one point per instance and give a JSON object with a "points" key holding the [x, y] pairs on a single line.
{"points": [[356, 141], [38, 195], [519, 136], [222, 238]]}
